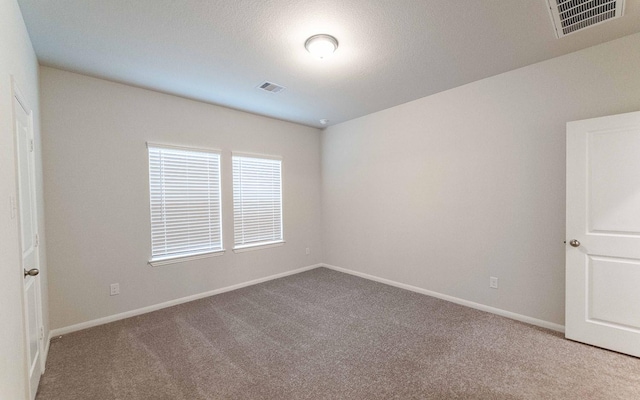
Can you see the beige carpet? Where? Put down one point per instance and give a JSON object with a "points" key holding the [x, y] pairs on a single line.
{"points": [[327, 335]]}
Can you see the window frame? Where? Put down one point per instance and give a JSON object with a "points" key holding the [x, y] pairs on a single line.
{"points": [[195, 255], [266, 244]]}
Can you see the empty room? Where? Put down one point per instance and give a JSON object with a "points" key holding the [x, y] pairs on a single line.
{"points": [[322, 199]]}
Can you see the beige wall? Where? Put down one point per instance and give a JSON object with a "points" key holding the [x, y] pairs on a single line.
{"points": [[17, 59], [445, 191], [96, 186]]}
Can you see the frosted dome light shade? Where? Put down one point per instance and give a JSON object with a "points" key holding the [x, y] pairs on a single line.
{"points": [[321, 46]]}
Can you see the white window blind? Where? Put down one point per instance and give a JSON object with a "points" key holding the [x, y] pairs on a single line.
{"points": [[185, 202], [257, 201]]}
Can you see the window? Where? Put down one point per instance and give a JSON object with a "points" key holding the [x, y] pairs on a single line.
{"points": [[257, 200], [184, 186]]}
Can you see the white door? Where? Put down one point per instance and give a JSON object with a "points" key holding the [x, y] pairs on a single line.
{"points": [[603, 232], [29, 240]]}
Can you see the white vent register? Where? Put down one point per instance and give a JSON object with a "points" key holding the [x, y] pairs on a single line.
{"points": [[270, 87], [570, 16]]}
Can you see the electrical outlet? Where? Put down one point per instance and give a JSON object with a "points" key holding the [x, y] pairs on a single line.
{"points": [[493, 282], [115, 289], [308, 251]]}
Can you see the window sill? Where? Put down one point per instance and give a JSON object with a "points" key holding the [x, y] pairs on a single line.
{"points": [[258, 246], [179, 259]]}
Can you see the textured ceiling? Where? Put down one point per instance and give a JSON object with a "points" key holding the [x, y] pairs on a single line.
{"points": [[391, 51]]}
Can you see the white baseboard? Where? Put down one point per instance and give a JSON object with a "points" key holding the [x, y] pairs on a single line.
{"points": [[144, 310], [116, 317], [467, 303]]}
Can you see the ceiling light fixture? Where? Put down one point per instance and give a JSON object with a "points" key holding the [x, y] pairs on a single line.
{"points": [[321, 46]]}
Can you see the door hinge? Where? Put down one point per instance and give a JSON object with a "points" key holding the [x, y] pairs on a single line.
{"points": [[31, 145], [42, 332], [37, 240], [13, 205]]}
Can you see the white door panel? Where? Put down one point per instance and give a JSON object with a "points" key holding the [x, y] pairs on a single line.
{"points": [[614, 161], [621, 276], [603, 215]]}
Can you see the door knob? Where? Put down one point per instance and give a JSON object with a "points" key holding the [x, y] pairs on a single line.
{"points": [[31, 272], [574, 243]]}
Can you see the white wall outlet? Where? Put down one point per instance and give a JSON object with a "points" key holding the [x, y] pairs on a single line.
{"points": [[493, 282], [307, 251], [115, 289]]}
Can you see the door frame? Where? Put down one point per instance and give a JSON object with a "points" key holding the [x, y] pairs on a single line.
{"points": [[16, 94]]}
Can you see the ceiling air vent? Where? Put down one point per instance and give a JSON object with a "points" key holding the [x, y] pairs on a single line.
{"points": [[271, 87], [570, 16]]}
